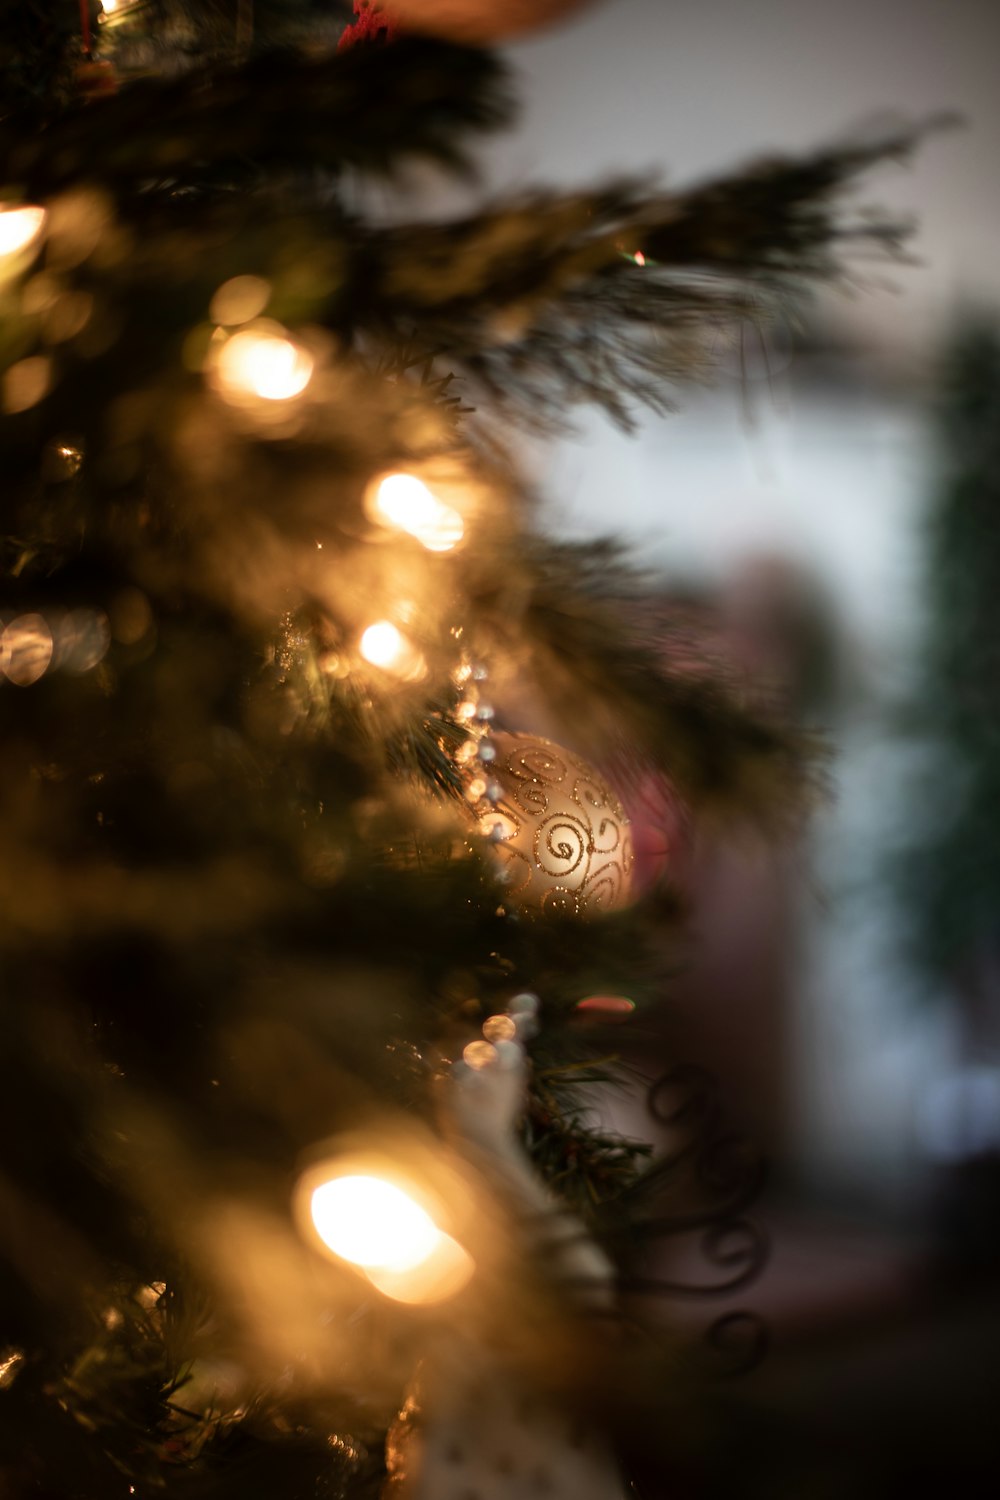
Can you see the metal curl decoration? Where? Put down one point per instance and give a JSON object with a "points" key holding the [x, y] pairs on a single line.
{"points": [[719, 1174]]}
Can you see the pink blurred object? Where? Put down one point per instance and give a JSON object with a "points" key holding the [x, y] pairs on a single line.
{"points": [[481, 21], [659, 836]]}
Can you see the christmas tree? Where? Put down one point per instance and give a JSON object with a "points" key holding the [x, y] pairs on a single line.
{"points": [[311, 941]]}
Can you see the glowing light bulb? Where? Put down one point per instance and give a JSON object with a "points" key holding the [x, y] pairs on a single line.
{"points": [[364, 1210], [639, 258], [405, 502], [19, 227], [382, 645], [386, 647], [373, 1224], [263, 362]]}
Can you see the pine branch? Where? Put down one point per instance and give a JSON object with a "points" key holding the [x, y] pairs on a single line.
{"points": [[368, 108], [543, 302]]}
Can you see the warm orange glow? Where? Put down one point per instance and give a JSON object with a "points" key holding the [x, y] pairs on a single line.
{"points": [[386, 647], [262, 361], [479, 1055], [404, 502], [19, 227], [373, 1223], [239, 299], [26, 649], [26, 383], [499, 1029], [442, 1275], [367, 1216], [606, 1007], [383, 645]]}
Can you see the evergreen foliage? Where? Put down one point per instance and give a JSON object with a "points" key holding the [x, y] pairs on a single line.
{"points": [[243, 901]]}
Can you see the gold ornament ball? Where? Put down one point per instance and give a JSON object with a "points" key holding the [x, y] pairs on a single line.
{"points": [[479, 21], [560, 833]]}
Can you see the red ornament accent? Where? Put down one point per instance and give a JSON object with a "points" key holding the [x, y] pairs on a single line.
{"points": [[482, 22], [372, 25], [85, 28], [605, 1008]]}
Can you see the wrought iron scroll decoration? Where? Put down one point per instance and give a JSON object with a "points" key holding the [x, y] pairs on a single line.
{"points": [[723, 1173]]}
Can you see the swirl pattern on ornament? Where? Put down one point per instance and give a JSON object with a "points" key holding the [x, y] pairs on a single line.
{"points": [[561, 844], [560, 831]]}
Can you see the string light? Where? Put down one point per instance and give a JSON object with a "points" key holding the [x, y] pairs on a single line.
{"points": [[382, 644], [373, 1223], [386, 647], [404, 502], [366, 1215], [262, 361], [113, 11], [19, 228]]}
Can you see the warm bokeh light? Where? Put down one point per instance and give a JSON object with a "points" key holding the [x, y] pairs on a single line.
{"points": [[383, 645], [369, 1211], [444, 1273], [263, 361], [479, 1055], [19, 227], [404, 502], [499, 1029], [26, 649], [386, 647], [239, 299], [373, 1223], [83, 639], [26, 383]]}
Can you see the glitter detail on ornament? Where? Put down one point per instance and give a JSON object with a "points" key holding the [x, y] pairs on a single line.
{"points": [[565, 842]]}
